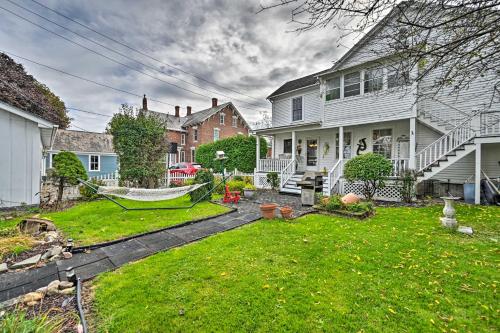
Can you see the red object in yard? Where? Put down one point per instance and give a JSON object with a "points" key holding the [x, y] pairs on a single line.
{"points": [[184, 168], [229, 196]]}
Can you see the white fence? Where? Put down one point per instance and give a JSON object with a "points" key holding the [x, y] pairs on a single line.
{"points": [[179, 178], [109, 179]]}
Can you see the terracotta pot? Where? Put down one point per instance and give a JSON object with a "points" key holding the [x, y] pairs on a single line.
{"points": [[267, 210], [286, 212]]}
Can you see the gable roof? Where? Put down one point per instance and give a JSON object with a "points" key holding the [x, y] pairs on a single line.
{"points": [[200, 116], [305, 81], [86, 142]]}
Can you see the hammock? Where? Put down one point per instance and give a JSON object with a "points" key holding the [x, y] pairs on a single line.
{"points": [[142, 194]]}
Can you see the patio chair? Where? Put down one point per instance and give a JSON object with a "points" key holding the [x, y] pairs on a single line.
{"points": [[231, 196]]}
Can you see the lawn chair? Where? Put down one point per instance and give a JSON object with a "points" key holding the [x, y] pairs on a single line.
{"points": [[231, 196]]}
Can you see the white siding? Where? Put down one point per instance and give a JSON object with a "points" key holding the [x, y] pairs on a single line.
{"points": [[370, 108], [425, 136], [282, 107], [21, 151]]}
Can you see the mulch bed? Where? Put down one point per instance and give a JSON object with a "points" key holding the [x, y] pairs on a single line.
{"points": [[37, 249]]}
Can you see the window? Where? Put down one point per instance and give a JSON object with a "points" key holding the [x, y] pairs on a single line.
{"points": [[235, 121], [222, 118], [297, 108], [183, 139], [216, 134], [195, 134], [94, 163], [397, 78], [333, 89], [351, 84], [51, 160], [182, 157], [287, 146], [373, 80], [193, 156], [382, 142], [347, 145]]}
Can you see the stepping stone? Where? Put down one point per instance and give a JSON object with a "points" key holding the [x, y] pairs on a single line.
{"points": [[465, 230], [3, 268], [28, 262]]}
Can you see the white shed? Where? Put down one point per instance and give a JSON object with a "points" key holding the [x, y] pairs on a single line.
{"points": [[24, 138]]}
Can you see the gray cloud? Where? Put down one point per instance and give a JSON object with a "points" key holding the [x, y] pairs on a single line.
{"points": [[219, 40]]}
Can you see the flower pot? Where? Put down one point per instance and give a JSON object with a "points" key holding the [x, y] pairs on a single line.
{"points": [[286, 212], [267, 210], [248, 193]]}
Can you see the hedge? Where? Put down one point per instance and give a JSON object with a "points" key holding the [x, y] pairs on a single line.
{"points": [[240, 152]]}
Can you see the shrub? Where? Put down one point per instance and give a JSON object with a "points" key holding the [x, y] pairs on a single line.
{"points": [[370, 169], [88, 193], [272, 178], [239, 150], [250, 187], [238, 178], [236, 185], [360, 207], [203, 176], [406, 185], [334, 203], [248, 180], [67, 169]]}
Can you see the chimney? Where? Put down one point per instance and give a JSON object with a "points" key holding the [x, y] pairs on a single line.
{"points": [[188, 111], [144, 103], [177, 107], [214, 102]]}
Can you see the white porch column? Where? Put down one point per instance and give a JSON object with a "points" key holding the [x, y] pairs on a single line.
{"points": [[477, 189], [257, 153], [273, 144], [341, 142], [413, 143], [294, 144]]}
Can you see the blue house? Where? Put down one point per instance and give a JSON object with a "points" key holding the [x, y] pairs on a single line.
{"points": [[95, 150]]}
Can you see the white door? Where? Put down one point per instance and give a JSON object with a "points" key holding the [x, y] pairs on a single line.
{"points": [[312, 154]]}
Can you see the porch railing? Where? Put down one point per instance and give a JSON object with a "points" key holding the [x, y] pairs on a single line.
{"points": [[272, 164], [490, 123], [287, 173], [335, 174], [399, 165]]}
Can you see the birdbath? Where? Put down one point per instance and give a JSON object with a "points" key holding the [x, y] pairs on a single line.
{"points": [[449, 219]]}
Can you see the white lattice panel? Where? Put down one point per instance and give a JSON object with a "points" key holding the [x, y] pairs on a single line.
{"points": [[260, 181], [389, 193]]}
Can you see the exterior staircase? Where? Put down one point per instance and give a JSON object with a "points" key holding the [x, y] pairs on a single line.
{"points": [[290, 186]]}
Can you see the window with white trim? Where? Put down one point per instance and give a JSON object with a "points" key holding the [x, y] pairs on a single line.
{"points": [[195, 134], [352, 84], [382, 142], [397, 78], [333, 89], [373, 80], [94, 162], [234, 122], [297, 108], [182, 157], [347, 145], [222, 118], [193, 156], [183, 139], [216, 134], [51, 160]]}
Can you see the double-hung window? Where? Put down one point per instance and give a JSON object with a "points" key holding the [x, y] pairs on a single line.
{"points": [[382, 142], [373, 80], [94, 163], [195, 134], [234, 121], [352, 84], [222, 118], [193, 156], [333, 89], [183, 139], [216, 134], [182, 156], [287, 146], [297, 108], [397, 78]]}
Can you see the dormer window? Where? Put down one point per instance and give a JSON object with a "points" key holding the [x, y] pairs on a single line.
{"points": [[352, 84], [373, 80], [297, 108], [333, 89]]}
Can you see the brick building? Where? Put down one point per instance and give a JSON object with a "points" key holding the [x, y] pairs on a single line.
{"points": [[187, 132]]}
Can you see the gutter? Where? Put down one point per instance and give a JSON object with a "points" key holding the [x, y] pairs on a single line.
{"points": [[291, 91]]}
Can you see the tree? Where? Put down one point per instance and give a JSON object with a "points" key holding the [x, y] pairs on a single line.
{"points": [[67, 169], [370, 169], [451, 43], [140, 141]]}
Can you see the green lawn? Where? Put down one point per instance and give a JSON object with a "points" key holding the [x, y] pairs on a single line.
{"points": [[99, 221], [399, 271]]}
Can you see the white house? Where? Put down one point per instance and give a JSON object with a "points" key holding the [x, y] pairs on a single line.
{"points": [[360, 106], [24, 137]]}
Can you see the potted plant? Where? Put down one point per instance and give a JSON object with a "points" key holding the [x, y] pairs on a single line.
{"points": [[249, 191], [267, 210], [286, 212]]}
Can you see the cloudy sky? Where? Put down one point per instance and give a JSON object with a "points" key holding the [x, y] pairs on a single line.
{"points": [[222, 41]]}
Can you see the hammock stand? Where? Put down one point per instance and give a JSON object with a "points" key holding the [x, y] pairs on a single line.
{"points": [[96, 189]]}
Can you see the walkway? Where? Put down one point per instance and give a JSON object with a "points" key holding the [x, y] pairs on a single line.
{"points": [[88, 265]]}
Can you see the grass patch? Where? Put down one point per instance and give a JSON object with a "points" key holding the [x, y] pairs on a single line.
{"points": [[99, 221], [15, 245], [398, 271]]}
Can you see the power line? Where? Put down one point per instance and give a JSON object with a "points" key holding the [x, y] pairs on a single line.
{"points": [[142, 53], [90, 112], [128, 57], [111, 59]]}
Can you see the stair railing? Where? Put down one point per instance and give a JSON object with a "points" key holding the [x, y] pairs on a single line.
{"points": [[287, 173], [450, 141], [335, 174]]}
